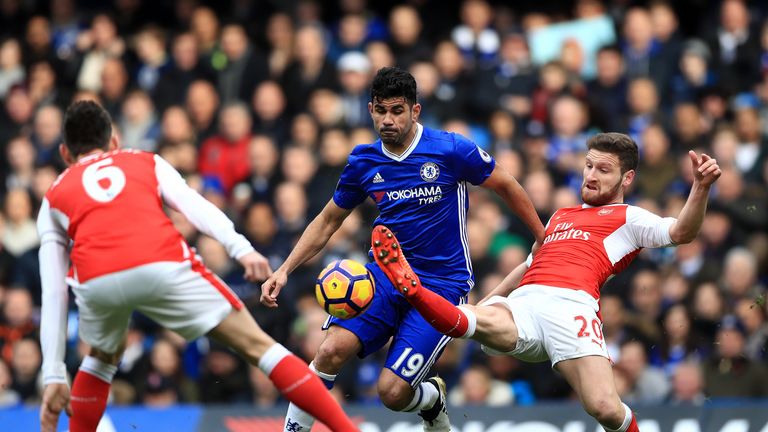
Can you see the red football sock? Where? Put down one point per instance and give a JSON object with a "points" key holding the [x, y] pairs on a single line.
{"points": [[633, 426], [441, 314], [299, 385], [88, 400]]}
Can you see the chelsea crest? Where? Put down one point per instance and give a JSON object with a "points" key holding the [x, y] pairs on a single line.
{"points": [[429, 172]]}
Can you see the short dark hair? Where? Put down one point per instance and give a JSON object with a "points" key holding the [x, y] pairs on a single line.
{"points": [[393, 82], [87, 127], [619, 144]]}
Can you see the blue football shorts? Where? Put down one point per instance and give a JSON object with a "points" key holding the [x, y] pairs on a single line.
{"points": [[416, 345]]}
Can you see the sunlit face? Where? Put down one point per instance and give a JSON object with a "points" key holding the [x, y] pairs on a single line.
{"points": [[603, 182], [393, 118]]}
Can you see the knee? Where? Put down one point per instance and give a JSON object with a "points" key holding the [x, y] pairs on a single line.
{"points": [[605, 410], [331, 355], [496, 328], [395, 396]]}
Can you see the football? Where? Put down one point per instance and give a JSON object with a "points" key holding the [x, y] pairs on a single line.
{"points": [[344, 288]]}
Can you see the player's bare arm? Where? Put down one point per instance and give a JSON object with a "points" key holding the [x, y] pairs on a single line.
{"points": [[508, 188], [310, 243], [705, 172], [510, 282]]}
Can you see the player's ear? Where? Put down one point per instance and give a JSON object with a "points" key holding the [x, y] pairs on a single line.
{"points": [[415, 111], [114, 143], [629, 176], [66, 156], [370, 107]]}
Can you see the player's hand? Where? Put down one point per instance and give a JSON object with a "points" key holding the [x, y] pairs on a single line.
{"points": [[256, 266], [55, 400], [271, 288], [705, 169]]}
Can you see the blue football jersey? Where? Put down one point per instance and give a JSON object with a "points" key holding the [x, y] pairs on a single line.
{"points": [[422, 197]]}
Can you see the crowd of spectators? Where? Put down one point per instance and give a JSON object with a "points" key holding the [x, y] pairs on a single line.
{"points": [[258, 104]]}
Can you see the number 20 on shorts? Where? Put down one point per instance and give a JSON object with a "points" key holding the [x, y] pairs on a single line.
{"points": [[597, 331]]}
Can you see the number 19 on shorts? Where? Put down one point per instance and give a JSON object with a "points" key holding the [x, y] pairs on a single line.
{"points": [[410, 366]]}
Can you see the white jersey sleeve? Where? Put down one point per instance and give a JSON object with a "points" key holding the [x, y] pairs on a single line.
{"points": [[54, 260], [205, 216], [649, 230]]}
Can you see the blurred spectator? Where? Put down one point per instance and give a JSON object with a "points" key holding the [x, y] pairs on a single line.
{"points": [[46, 135], [224, 378], [607, 92], [452, 92], [380, 55], [659, 171], [406, 42], [114, 86], [327, 108], [280, 33], [645, 383], [95, 46], [739, 279], [263, 156], [687, 385], [694, 75], [270, 109], [309, 70], [475, 37], [753, 149], [305, 132], [553, 81], [225, 156], [508, 82], [568, 142], [244, 68], [185, 68], [17, 115], [753, 315], [44, 88], [166, 383], [690, 129], [154, 61], [645, 57], [730, 373], [735, 46], [138, 122], [176, 126], [202, 104], [477, 387], [204, 25], [354, 75], [8, 396], [298, 166], [11, 68], [643, 102], [679, 343], [25, 367], [349, 36], [265, 394], [20, 234], [291, 205], [17, 322], [665, 27], [21, 155]]}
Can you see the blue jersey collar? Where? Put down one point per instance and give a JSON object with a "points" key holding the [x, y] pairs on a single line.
{"points": [[409, 150]]}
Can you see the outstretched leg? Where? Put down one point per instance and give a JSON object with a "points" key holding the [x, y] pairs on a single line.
{"points": [[289, 373], [491, 325], [591, 378]]}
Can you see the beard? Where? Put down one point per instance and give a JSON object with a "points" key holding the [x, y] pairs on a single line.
{"points": [[597, 198]]}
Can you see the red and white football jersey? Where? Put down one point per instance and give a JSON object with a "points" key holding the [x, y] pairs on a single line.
{"points": [[111, 206], [585, 245]]}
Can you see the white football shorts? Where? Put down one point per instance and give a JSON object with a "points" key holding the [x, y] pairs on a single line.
{"points": [[553, 324], [184, 297]]}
